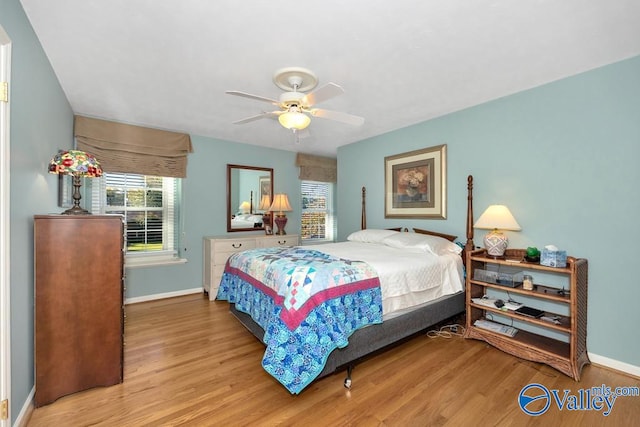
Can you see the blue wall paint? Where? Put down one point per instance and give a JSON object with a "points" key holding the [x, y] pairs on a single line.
{"points": [[563, 157], [41, 123]]}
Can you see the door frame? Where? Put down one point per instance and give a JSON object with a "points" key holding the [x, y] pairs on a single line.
{"points": [[5, 213]]}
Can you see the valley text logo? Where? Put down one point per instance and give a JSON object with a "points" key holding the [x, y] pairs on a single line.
{"points": [[535, 399]]}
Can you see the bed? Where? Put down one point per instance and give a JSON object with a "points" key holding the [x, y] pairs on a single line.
{"points": [[246, 221], [341, 316]]}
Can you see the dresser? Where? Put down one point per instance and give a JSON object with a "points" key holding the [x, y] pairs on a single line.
{"points": [[218, 249], [78, 320]]}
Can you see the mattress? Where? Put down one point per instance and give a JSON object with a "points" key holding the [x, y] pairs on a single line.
{"points": [[408, 278]]}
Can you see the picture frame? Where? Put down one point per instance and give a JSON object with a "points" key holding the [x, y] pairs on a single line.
{"points": [[415, 184], [65, 191], [264, 184]]}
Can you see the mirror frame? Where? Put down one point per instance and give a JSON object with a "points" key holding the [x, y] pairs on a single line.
{"points": [[256, 201]]}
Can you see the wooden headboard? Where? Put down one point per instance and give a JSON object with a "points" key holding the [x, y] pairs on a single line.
{"points": [[449, 237], [469, 245]]}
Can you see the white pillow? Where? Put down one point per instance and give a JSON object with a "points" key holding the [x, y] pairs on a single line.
{"points": [[370, 235], [423, 242]]}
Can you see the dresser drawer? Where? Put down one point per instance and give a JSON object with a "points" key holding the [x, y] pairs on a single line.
{"points": [[231, 246], [273, 241], [220, 258]]}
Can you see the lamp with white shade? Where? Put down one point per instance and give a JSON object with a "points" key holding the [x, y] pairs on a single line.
{"points": [[265, 204], [280, 205], [244, 207], [497, 218]]}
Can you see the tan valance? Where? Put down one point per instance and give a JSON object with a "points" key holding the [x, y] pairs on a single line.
{"points": [[316, 168], [133, 149]]}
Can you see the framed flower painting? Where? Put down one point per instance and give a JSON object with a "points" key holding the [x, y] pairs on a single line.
{"points": [[415, 184]]}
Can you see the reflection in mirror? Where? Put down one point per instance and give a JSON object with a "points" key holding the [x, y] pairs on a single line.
{"points": [[249, 195]]}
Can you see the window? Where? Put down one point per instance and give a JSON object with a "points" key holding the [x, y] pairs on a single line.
{"points": [[149, 205], [317, 219]]}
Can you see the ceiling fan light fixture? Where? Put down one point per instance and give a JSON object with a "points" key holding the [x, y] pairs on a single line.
{"points": [[294, 120]]}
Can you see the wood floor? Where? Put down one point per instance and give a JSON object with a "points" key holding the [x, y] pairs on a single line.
{"points": [[189, 362]]}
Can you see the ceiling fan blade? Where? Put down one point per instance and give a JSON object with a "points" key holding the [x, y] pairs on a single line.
{"points": [[265, 115], [321, 94], [250, 96], [337, 116]]}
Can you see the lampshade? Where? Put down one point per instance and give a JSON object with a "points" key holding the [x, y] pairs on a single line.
{"points": [[265, 203], [294, 119], [244, 207], [280, 204], [75, 162], [78, 164], [496, 218]]}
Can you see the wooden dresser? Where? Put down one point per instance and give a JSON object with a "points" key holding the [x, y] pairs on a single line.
{"points": [[78, 303], [218, 249]]}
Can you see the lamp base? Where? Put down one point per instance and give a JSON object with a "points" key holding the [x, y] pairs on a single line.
{"points": [[281, 221], [76, 210], [496, 243]]}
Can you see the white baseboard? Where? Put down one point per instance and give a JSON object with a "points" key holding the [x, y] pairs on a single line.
{"points": [[626, 368], [24, 416], [163, 296]]}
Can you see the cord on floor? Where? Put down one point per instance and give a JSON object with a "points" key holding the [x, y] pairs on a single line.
{"points": [[447, 331]]}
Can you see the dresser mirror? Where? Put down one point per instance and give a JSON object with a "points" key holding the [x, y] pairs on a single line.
{"points": [[249, 195]]}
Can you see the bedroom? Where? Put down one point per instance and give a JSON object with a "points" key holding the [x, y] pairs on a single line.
{"points": [[567, 151]]}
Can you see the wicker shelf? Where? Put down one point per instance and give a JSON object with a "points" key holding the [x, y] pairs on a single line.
{"points": [[567, 357]]}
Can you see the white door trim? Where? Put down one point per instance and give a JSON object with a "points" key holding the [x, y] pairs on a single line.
{"points": [[5, 316]]}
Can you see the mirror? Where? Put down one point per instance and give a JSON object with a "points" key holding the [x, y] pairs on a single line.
{"points": [[249, 194]]}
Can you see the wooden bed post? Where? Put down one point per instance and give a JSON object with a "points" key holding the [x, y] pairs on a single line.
{"points": [[363, 219], [469, 246]]}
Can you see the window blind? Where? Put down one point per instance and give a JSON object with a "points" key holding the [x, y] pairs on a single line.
{"points": [[317, 218]]}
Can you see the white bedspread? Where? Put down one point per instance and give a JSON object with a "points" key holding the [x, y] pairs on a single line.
{"points": [[407, 278]]}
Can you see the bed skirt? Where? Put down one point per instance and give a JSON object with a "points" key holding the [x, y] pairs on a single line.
{"points": [[372, 338]]}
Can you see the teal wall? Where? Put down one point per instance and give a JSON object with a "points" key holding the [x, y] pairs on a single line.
{"points": [[563, 157]]}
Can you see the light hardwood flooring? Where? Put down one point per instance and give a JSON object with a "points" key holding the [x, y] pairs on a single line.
{"points": [[189, 362]]}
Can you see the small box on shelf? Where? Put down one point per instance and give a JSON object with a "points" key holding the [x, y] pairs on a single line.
{"points": [[511, 280], [553, 258]]}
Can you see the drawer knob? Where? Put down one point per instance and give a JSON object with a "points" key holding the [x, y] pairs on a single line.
{"points": [[234, 245]]}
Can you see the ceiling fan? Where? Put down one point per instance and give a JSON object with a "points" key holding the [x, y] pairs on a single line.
{"points": [[295, 106]]}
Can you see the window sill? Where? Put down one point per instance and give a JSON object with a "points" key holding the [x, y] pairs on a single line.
{"points": [[150, 262]]}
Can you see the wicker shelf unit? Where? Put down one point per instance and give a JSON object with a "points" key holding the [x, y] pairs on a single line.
{"points": [[567, 356]]}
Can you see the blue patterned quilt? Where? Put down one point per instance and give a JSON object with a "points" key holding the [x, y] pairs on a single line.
{"points": [[307, 302]]}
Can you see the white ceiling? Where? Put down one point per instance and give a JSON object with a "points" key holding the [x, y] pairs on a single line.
{"points": [[168, 63]]}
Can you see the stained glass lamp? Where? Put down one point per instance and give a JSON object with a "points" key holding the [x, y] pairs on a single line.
{"points": [[78, 164]]}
